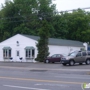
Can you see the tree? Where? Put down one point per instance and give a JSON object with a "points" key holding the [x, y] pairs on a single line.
{"points": [[45, 12], [78, 23], [17, 14], [42, 45], [60, 25], [25, 13], [46, 8]]}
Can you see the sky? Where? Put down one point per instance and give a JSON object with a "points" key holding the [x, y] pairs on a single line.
{"points": [[63, 5]]}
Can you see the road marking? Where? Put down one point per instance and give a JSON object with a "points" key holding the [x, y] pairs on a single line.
{"points": [[40, 80], [52, 85], [21, 87], [25, 68], [72, 77]]}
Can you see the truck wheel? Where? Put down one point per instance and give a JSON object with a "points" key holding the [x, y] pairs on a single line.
{"points": [[87, 61], [64, 64], [47, 61], [71, 62], [80, 63]]}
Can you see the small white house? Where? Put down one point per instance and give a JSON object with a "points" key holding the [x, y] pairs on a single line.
{"points": [[23, 47]]}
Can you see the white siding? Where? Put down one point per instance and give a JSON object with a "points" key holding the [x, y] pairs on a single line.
{"points": [[23, 41], [53, 49]]}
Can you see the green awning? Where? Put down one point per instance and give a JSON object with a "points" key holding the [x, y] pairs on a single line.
{"points": [[29, 47], [6, 47]]}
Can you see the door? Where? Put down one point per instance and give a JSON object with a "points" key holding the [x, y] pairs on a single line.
{"points": [[84, 56], [58, 58], [78, 57], [18, 55], [55, 58]]}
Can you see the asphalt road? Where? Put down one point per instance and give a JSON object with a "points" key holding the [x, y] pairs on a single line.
{"points": [[40, 76]]}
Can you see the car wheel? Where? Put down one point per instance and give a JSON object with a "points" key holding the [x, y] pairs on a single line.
{"points": [[80, 63], [47, 61], [71, 62], [87, 61], [64, 64]]}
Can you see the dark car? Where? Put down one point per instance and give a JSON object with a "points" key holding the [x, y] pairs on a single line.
{"points": [[53, 58]]}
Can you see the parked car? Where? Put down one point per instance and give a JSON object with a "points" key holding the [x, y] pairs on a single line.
{"points": [[76, 57], [54, 58]]}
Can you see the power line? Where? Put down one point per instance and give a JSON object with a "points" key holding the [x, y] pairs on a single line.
{"points": [[37, 14], [26, 18], [75, 9], [30, 14], [34, 15]]}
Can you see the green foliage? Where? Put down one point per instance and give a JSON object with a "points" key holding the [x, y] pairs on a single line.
{"points": [[78, 21], [60, 26], [23, 16], [27, 17], [42, 45]]}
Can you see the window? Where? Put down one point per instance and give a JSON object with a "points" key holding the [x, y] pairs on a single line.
{"points": [[54, 55], [17, 53], [84, 53], [9, 53], [6, 53], [73, 53], [28, 52], [88, 53], [79, 54], [33, 53], [58, 55]]}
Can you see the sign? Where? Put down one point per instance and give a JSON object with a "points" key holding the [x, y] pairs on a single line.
{"points": [[86, 86]]}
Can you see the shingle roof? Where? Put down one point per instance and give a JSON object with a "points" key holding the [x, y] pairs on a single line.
{"points": [[61, 42]]}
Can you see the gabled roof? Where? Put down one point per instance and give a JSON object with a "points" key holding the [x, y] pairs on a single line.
{"points": [[61, 42]]}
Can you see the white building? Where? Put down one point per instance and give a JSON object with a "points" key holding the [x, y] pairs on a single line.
{"points": [[23, 47]]}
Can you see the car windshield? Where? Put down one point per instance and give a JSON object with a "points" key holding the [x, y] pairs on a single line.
{"points": [[64, 55], [73, 54], [54, 55]]}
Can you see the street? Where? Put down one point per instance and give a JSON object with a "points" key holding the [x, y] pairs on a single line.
{"points": [[40, 76]]}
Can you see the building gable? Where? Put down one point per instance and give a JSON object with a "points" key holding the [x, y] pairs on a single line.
{"points": [[17, 38]]}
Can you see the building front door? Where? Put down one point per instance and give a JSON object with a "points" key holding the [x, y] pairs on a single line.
{"points": [[17, 55]]}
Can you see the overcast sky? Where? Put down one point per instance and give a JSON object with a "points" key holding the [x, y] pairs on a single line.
{"points": [[63, 5]]}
